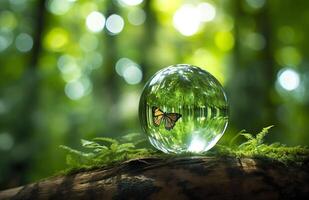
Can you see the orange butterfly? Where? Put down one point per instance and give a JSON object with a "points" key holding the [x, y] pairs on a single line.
{"points": [[169, 119]]}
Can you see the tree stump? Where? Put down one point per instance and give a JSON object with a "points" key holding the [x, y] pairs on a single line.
{"points": [[175, 178]]}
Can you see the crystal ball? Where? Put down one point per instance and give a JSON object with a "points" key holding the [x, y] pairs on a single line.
{"points": [[183, 108]]}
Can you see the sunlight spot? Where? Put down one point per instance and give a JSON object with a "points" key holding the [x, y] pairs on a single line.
{"points": [[186, 20], [197, 145], [288, 79], [206, 11], [114, 24], [95, 21], [24, 42]]}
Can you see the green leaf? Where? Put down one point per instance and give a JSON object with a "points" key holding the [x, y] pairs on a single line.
{"points": [[92, 145], [126, 146], [260, 136], [248, 136], [108, 140]]}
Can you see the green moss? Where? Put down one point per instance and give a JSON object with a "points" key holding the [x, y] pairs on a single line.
{"points": [[255, 147], [102, 152]]}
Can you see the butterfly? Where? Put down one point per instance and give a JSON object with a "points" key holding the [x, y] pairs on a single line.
{"points": [[169, 119]]}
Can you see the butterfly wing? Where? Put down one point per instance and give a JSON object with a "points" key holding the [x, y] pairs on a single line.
{"points": [[170, 120], [157, 115]]}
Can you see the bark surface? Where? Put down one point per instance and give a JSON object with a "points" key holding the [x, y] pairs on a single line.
{"points": [[176, 178]]}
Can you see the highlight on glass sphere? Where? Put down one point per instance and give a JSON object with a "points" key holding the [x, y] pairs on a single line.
{"points": [[183, 109]]}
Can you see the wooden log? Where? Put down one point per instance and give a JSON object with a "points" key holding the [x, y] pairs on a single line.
{"points": [[175, 178]]}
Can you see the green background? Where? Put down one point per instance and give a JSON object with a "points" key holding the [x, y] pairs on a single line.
{"points": [[63, 75]]}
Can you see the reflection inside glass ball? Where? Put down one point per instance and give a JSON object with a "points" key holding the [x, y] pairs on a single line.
{"points": [[183, 109]]}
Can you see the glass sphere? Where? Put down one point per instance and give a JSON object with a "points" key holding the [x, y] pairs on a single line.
{"points": [[183, 109]]}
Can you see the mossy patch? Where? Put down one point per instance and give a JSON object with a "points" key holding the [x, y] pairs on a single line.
{"points": [[103, 152], [254, 147]]}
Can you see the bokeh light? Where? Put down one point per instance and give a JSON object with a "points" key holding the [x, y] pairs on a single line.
{"points": [[206, 11], [137, 16], [114, 24], [129, 70], [188, 18], [24, 42], [75, 90], [224, 40], [69, 68], [59, 7], [18, 5], [93, 60], [207, 60], [256, 3], [288, 56], [122, 64], [132, 74], [130, 2], [288, 79], [6, 39], [254, 41], [8, 20], [88, 42], [287, 35], [95, 21], [56, 39]]}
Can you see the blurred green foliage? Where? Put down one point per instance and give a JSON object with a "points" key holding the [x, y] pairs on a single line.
{"points": [[72, 69]]}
